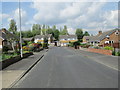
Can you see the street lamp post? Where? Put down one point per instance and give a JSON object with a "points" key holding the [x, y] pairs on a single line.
{"points": [[20, 30]]}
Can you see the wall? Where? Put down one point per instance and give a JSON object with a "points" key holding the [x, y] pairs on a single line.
{"points": [[101, 51]]}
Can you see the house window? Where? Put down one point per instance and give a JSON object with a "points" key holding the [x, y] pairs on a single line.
{"points": [[110, 42], [95, 41], [87, 39], [116, 33], [106, 42]]}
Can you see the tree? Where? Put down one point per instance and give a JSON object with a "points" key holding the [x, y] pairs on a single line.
{"points": [[86, 33], [56, 34], [36, 29], [64, 31], [49, 31], [13, 26], [54, 27], [79, 33]]}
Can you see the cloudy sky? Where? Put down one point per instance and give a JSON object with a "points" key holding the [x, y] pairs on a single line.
{"points": [[90, 16]]}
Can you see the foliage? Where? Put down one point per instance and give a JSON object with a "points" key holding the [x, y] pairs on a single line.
{"points": [[84, 45], [25, 48], [71, 44], [115, 53], [86, 33], [108, 48], [79, 33], [64, 31], [30, 42], [10, 55], [23, 44], [96, 47], [36, 29], [5, 49], [56, 34], [13, 26]]}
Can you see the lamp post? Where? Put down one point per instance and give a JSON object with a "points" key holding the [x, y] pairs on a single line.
{"points": [[20, 30]]}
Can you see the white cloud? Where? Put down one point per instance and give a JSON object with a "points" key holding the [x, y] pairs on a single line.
{"points": [[4, 16], [111, 18], [74, 15]]}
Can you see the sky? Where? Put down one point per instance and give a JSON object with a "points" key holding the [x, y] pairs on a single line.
{"points": [[90, 16]]}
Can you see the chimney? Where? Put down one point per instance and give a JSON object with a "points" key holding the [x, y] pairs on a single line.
{"points": [[100, 32]]}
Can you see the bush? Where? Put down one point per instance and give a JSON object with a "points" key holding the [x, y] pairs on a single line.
{"points": [[25, 48], [23, 44], [85, 45], [29, 43], [5, 49], [108, 48], [117, 54], [45, 45], [113, 52], [97, 47]]}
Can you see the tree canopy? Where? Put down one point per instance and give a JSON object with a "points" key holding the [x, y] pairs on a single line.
{"points": [[79, 33], [86, 33], [13, 26]]}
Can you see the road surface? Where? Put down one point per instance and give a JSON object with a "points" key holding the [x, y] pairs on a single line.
{"points": [[64, 68]]}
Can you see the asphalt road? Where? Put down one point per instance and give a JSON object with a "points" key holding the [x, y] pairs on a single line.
{"points": [[64, 68]]}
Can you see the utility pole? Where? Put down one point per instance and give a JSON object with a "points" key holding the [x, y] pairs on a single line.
{"points": [[20, 30]]}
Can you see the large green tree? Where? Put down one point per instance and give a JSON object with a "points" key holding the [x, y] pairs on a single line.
{"points": [[86, 33], [36, 29], [64, 31], [13, 26], [56, 34], [79, 33]]}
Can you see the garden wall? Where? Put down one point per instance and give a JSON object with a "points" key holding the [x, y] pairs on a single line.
{"points": [[12, 60], [101, 51]]}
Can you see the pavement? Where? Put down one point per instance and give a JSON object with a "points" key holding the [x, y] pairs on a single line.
{"points": [[15, 71], [62, 67]]}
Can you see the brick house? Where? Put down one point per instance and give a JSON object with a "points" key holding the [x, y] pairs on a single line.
{"points": [[65, 39], [108, 38], [40, 38]]}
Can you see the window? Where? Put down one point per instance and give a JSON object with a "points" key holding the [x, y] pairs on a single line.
{"points": [[112, 41], [106, 42], [117, 32]]}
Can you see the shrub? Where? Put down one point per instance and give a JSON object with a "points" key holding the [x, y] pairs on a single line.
{"points": [[25, 48], [97, 47], [113, 52], [29, 43], [117, 54], [23, 44], [108, 48], [5, 49]]}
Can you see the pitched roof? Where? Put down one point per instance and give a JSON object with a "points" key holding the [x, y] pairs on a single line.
{"points": [[100, 37], [43, 36], [67, 36], [28, 39], [7, 35]]}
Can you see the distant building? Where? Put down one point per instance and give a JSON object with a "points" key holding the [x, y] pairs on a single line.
{"points": [[40, 38], [65, 39], [110, 38]]}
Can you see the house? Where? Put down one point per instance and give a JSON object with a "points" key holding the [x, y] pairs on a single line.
{"points": [[65, 39], [40, 38], [6, 37], [108, 38]]}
